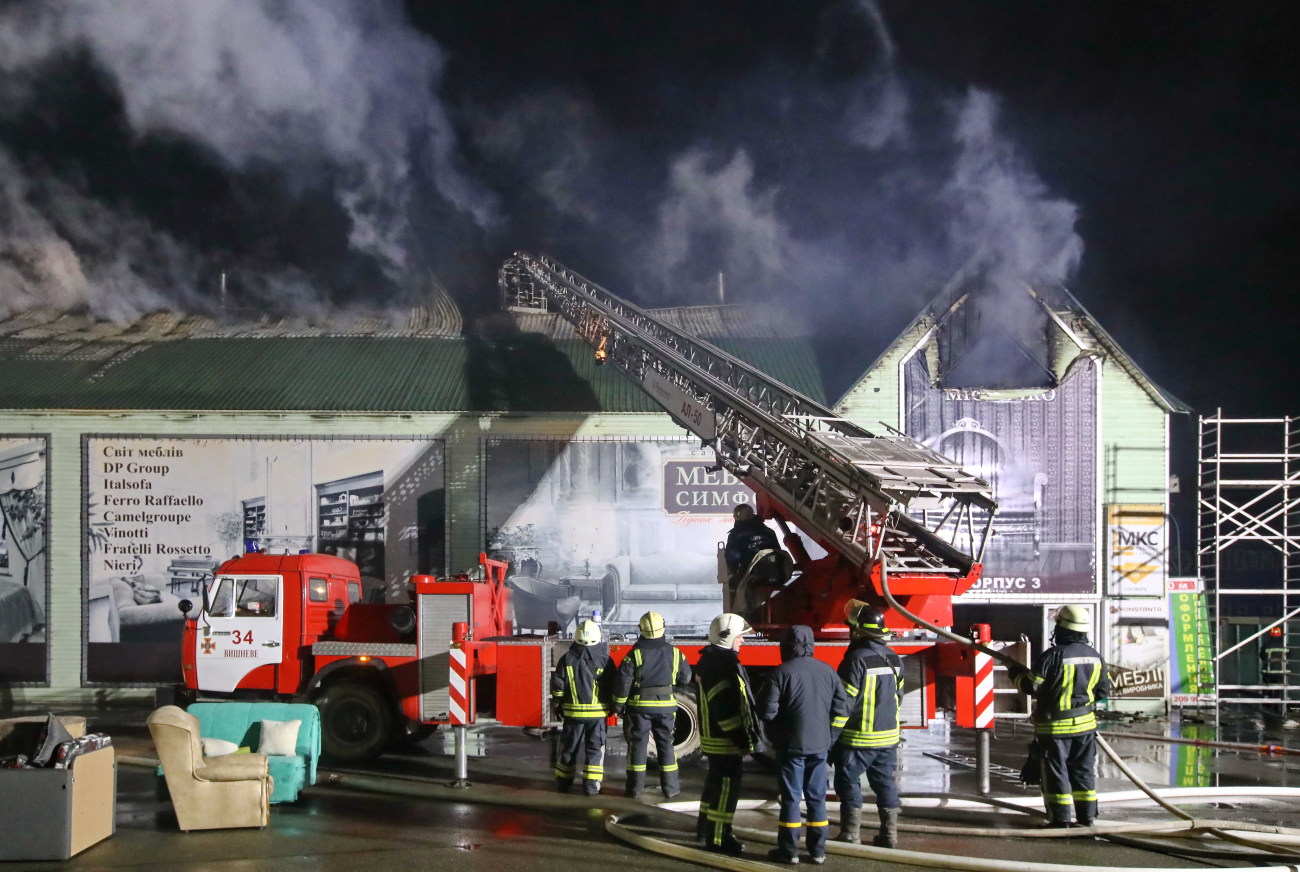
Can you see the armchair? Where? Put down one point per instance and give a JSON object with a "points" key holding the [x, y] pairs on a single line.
{"points": [[214, 793]]}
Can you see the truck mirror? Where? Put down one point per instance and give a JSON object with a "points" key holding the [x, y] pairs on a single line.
{"points": [[185, 606]]}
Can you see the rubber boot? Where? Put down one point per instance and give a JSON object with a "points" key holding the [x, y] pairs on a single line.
{"points": [[635, 785], [592, 787], [564, 785], [888, 835], [1060, 817], [1086, 811], [850, 825]]}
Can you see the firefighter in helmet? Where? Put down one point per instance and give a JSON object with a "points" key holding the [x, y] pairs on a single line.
{"points": [[581, 693], [872, 675], [728, 730], [1071, 677], [644, 696]]}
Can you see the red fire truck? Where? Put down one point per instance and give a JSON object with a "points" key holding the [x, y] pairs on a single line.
{"points": [[901, 525]]}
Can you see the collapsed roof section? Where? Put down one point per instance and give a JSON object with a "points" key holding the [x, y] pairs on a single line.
{"points": [[1008, 341]]}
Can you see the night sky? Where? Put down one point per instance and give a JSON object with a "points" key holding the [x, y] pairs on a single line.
{"points": [[836, 160]]}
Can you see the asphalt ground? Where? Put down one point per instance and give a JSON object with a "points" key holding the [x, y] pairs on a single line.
{"points": [[399, 813]]}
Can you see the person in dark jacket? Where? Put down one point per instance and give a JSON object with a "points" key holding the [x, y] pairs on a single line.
{"points": [[728, 730], [1071, 678], [644, 697], [803, 705], [748, 536], [872, 676], [582, 685]]}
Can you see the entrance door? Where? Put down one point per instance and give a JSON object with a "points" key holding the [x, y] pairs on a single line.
{"points": [[242, 630]]}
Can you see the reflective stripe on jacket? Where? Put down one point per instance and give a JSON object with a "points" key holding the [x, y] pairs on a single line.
{"points": [[648, 674], [872, 676], [582, 682], [726, 703], [1071, 678]]}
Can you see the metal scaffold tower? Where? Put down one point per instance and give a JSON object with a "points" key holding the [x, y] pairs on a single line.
{"points": [[1248, 550]]}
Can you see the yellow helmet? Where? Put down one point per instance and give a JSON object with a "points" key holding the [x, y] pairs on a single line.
{"points": [[588, 633], [1074, 618], [651, 625]]}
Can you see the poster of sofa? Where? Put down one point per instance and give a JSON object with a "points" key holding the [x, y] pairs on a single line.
{"points": [[24, 581], [163, 513], [624, 527], [1038, 449]]}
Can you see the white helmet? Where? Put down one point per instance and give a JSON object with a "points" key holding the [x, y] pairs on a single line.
{"points": [[1074, 618], [651, 625], [725, 628], [588, 633]]}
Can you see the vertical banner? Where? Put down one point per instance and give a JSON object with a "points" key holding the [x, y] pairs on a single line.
{"points": [[1139, 648], [1038, 449], [1136, 550], [1191, 673], [620, 527], [24, 579], [162, 513]]}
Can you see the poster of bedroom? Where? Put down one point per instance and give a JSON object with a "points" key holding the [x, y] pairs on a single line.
{"points": [[24, 581]]}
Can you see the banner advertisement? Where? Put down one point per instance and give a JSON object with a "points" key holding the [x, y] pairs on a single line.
{"points": [[1136, 550], [1039, 451], [1139, 648], [616, 527], [24, 581], [1191, 676], [163, 513]]}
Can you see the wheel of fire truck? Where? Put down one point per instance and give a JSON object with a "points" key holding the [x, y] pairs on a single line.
{"points": [[356, 721], [686, 729]]}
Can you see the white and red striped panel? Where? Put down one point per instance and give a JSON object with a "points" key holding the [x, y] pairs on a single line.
{"points": [[983, 691], [459, 710]]}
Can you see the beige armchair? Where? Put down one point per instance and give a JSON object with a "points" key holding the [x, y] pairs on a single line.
{"points": [[212, 793]]}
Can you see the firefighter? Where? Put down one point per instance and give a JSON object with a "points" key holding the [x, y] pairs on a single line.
{"points": [[581, 693], [1071, 678], [803, 705], [747, 537], [727, 730], [872, 676], [644, 697]]}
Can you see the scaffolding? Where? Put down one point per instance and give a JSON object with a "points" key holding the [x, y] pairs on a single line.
{"points": [[1248, 551]]}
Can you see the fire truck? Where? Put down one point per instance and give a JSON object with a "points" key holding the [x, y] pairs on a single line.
{"points": [[901, 526]]}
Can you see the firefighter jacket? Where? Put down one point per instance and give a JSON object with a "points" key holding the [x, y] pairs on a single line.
{"points": [[582, 684], [802, 703], [746, 539], [727, 724], [872, 676], [647, 676], [1071, 678]]}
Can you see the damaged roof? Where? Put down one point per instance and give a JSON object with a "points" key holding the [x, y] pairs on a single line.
{"points": [[372, 363]]}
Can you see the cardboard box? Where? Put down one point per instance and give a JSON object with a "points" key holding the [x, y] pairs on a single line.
{"points": [[52, 814]]}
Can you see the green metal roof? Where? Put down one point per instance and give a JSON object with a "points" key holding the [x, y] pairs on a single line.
{"points": [[515, 373]]}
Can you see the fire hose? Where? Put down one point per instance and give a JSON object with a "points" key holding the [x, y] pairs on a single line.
{"points": [[1101, 742]]}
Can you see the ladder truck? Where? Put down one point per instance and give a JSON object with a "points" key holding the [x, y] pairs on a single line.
{"points": [[902, 527]]}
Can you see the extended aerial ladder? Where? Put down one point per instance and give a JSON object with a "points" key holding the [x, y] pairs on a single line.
{"points": [[894, 516]]}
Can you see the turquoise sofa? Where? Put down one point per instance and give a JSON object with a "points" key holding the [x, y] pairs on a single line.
{"points": [[238, 722]]}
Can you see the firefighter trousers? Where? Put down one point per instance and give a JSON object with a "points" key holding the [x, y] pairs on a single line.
{"points": [[638, 727], [581, 739], [803, 778], [718, 801], [880, 766], [1070, 777]]}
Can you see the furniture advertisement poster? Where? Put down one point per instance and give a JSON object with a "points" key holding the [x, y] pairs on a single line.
{"points": [[163, 513]]}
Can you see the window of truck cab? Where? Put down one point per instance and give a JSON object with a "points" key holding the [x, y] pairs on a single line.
{"points": [[244, 596]]}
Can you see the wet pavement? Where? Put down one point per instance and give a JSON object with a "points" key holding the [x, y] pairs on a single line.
{"points": [[400, 813]]}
